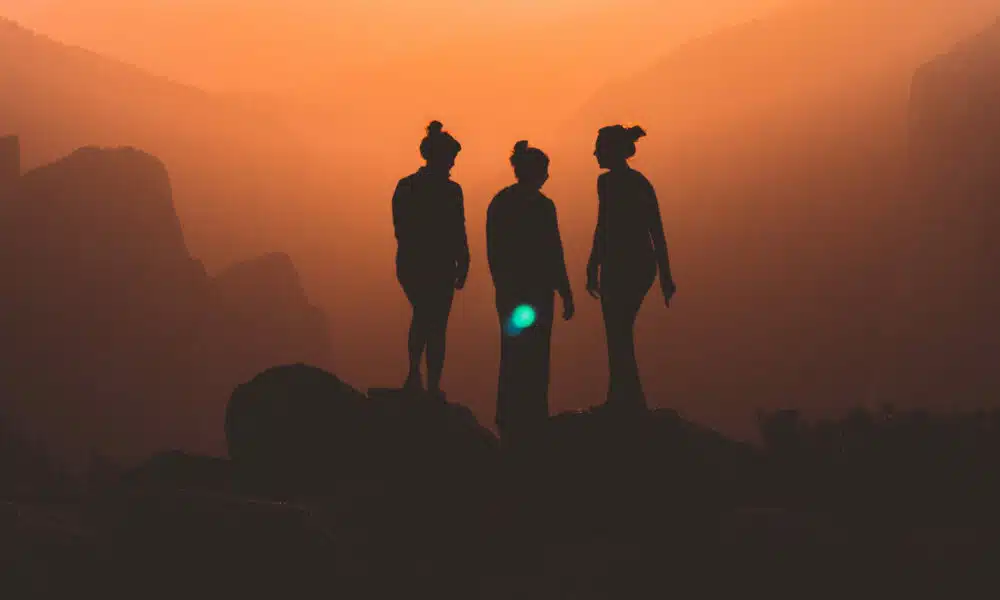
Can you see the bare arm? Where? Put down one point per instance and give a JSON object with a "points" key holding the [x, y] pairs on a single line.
{"points": [[463, 242], [659, 239], [597, 250], [492, 252], [399, 197], [562, 277]]}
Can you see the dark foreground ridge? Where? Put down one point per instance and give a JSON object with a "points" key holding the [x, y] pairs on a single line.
{"points": [[329, 491]]}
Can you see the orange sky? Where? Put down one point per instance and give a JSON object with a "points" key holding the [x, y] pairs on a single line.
{"points": [[501, 64], [359, 80]]}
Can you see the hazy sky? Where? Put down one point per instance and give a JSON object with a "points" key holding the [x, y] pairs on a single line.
{"points": [[374, 72], [366, 32], [485, 68]]}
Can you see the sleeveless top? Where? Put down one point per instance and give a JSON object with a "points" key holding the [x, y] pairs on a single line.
{"points": [[428, 215]]}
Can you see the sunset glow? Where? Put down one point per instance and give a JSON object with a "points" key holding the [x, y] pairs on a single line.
{"points": [[777, 144]]}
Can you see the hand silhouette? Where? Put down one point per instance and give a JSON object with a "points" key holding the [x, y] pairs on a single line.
{"points": [[568, 308], [593, 283], [669, 289]]}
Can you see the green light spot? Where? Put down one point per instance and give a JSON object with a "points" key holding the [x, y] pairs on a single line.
{"points": [[523, 317]]}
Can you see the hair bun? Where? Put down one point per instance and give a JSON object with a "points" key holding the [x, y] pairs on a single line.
{"points": [[434, 128], [521, 147], [636, 132]]}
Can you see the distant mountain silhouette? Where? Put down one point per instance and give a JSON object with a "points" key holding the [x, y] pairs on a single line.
{"points": [[781, 149], [954, 118], [772, 70], [261, 300], [113, 336], [10, 163], [229, 158], [310, 48], [951, 264]]}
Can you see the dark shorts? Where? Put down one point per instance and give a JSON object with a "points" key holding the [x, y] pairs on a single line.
{"points": [[427, 289]]}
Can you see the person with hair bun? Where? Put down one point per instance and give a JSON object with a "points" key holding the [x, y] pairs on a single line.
{"points": [[629, 248], [432, 256], [526, 260]]}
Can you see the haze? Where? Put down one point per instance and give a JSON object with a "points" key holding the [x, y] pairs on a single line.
{"points": [[777, 134], [495, 65]]}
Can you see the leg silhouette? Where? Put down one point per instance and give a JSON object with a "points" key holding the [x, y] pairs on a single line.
{"points": [[437, 335], [416, 343], [620, 305], [623, 370], [428, 331]]}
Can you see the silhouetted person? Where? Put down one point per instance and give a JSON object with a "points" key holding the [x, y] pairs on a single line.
{"points": [[526, 261], [629, 247], [432, 257]]}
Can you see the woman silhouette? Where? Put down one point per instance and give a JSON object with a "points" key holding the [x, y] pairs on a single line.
{"points": [[432, 256], [526, 261], [629, 247]]}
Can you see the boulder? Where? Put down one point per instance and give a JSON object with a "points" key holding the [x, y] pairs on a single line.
{"points": [[296, 422], [423, 436], [301, 425]]}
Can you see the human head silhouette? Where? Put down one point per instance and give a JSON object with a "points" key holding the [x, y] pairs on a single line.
{"points": [[616, 144], [439, 148], [531, 165]]}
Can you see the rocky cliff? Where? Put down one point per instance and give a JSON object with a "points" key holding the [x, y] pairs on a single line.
{"points": [[946, 319], [114, 336]]}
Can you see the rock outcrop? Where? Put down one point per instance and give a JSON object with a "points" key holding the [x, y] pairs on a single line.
{"points": [[10, 162], [115, 338], [953, 107], [297, 427], [296, 422], [280, 325], [942, 339]]}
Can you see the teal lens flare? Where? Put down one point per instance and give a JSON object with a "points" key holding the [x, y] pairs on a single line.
{"points": [[520, 319]]}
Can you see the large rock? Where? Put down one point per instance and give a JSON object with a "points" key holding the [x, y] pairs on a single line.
{"points": [[10, 163], [295, 421], [97, 232], [953, 107], [114, 338], [261, 302], [637, 472], [941, 337], [300, 425], [425, 437], [119, 198]]}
